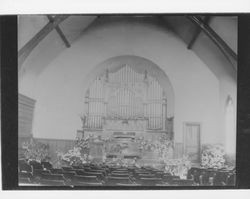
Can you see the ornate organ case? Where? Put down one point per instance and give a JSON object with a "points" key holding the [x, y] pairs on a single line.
{"points": [[126, 100]]}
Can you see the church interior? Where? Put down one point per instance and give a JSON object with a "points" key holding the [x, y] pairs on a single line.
{"points": [[127, 100]]}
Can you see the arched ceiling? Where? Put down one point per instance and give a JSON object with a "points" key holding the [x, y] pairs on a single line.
{"points": [[42, 38]]}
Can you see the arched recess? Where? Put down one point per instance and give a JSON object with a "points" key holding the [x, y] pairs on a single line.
{"points": [[230, 127], [138, 64]]}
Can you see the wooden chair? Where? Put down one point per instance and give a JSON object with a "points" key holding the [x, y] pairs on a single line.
{"points": [[80, 172], [169, 178], [127, 185], [24, 167], [220, 178], [207, 178], [24, 180], [100, 176], [36, 165], [47, 165], [25, 175], [68, 174], [84, 172], [22, 161], [141, 172], [231, 179], [182, 182], [151, 170], [96, 171], [204, 178], [150, 181], [159, 174], [47, 182], [37, 173], [89, 184], [67, 168], [46, 172], [114, 174], [56, 171], [193, 171], [78, 167], [117, 180], [166, 174], [196, 176], [120, 171], [76, 180], [146, 176], [55, 177]]}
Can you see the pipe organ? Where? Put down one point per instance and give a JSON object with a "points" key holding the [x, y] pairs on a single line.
{"points": [[125, 100]]}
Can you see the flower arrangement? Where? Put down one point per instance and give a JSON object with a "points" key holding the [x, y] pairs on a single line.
{"points": [[163, 146], [73, 157], [34, 150], [120, 161], [213, 156], [76, 156]]}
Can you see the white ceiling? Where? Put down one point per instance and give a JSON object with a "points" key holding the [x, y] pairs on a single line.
{"points": [[74, 26]]}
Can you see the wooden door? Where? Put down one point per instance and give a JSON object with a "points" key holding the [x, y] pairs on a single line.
{"points": [[192, 141]]}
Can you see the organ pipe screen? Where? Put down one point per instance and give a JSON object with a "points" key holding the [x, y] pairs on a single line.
{"points": [[125, 95]]}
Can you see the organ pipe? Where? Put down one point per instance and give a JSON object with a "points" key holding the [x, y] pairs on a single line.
{"points": [[124, 103]]}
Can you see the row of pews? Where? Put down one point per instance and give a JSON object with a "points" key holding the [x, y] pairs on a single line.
{"points": [[212, 177], [43, 174]]}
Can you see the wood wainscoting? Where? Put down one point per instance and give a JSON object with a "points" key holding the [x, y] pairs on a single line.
{"points": [[56, 145], [26, 108]]}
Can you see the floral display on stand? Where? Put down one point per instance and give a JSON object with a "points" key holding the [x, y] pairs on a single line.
{"points": [[73, 157], [34, 150], [80, 153], [122, 162], [76, 156], [163, 146], [213, 156]]}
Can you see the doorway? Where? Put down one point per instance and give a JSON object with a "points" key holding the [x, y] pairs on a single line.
{"points": [[192, 131]]}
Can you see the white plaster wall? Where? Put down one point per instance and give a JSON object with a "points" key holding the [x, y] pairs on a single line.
{"points": [[228, 88], [33, 23], [60, 88]]}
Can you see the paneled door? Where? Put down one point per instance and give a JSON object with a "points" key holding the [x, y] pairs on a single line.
{"points": [[192, 141]]}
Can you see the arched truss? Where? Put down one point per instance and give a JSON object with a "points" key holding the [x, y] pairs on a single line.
{"points": [[56, 20]]}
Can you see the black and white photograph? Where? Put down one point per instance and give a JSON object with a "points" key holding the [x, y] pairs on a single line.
{"points": [[127, 100]]}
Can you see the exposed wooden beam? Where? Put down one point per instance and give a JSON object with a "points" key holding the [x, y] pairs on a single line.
{"points": [[60, 32], [197, 33], [220, 43], [28, 47]]}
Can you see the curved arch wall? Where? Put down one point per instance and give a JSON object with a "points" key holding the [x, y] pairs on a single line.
{"points": [[139, 64], [59, 89], [131, 88]]}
